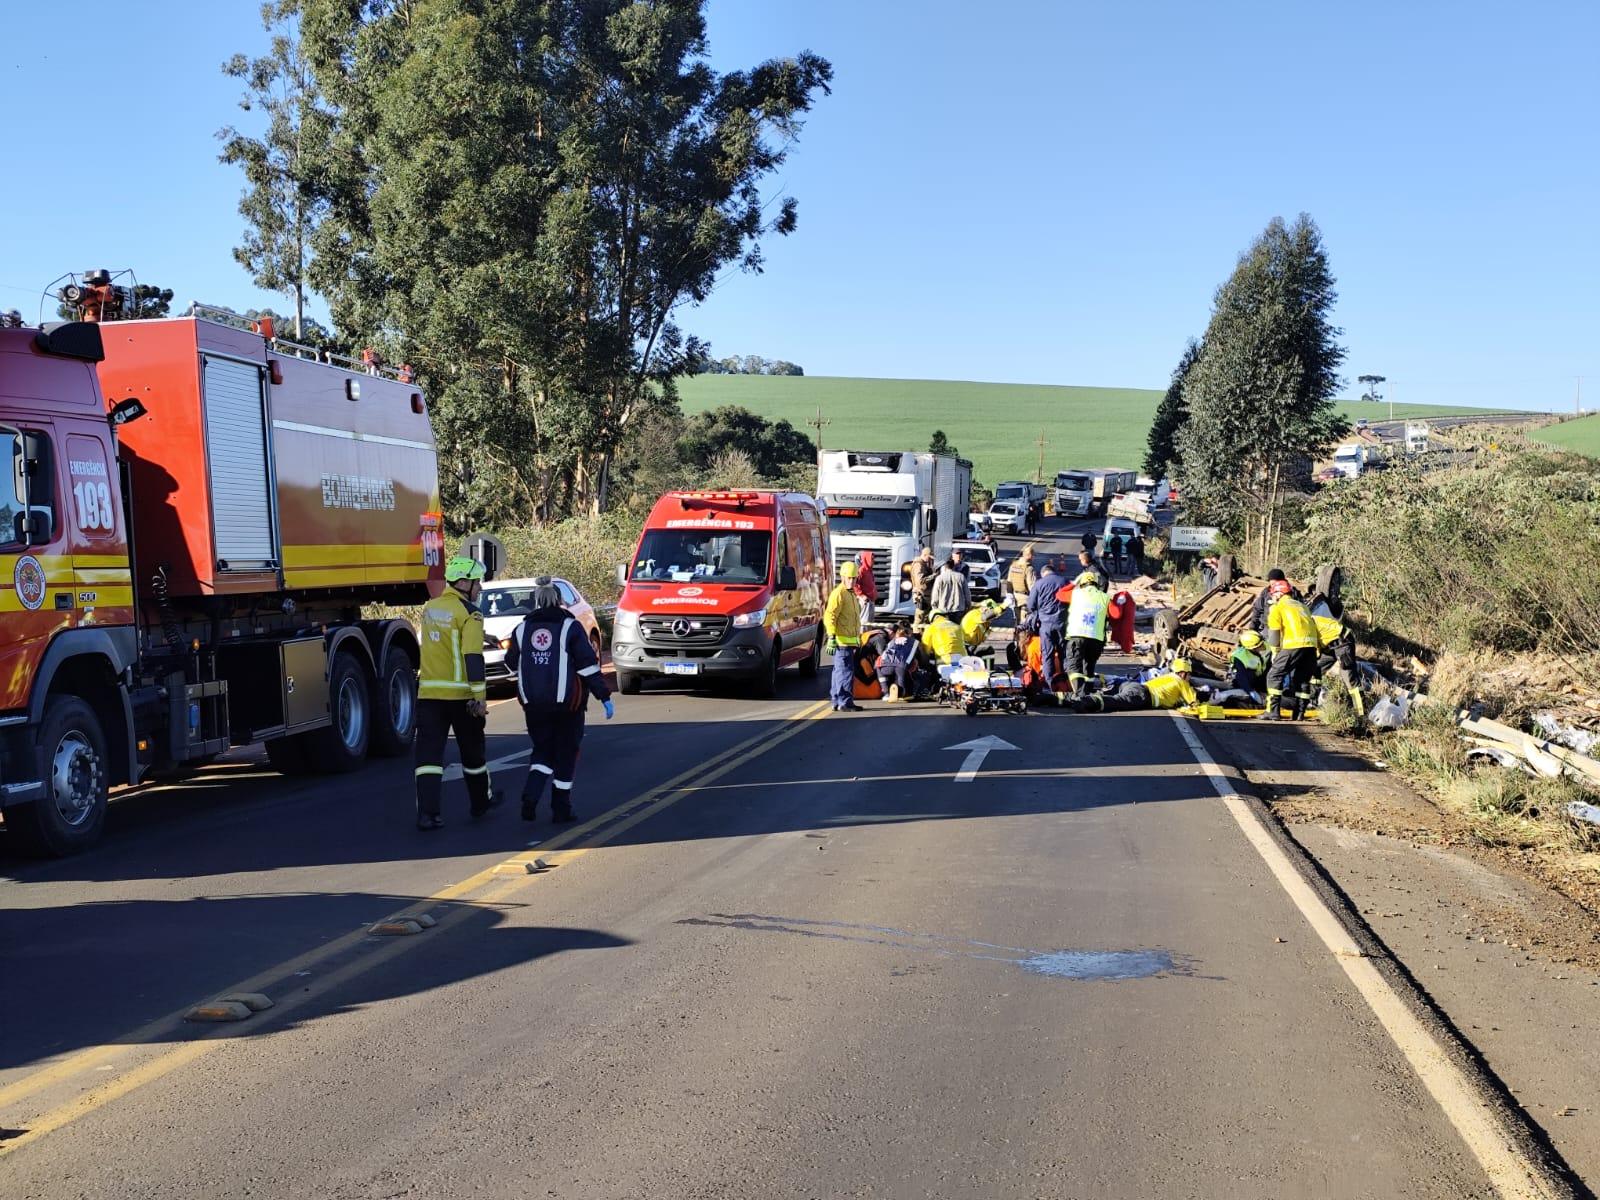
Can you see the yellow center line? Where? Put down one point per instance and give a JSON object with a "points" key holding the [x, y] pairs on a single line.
{"points": [[633, 811]]}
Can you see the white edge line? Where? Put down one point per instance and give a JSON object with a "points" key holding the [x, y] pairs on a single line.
{"points": [[1512, 1176]]}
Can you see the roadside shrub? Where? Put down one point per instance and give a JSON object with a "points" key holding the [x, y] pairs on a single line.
{"points": [[1501, 554], [584, 550]]}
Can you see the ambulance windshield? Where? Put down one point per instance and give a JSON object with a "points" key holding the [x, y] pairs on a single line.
{"points": [[712, 555]]}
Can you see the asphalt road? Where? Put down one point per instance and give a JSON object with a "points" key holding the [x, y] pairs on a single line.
{"points": [[798, 958]]}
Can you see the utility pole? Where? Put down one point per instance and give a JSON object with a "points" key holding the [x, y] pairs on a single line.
{"points": [[819, 424], [1038, 474], [1577, 399]]}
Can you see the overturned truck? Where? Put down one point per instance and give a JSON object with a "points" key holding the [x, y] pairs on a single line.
{"points": [[1207, 629]]}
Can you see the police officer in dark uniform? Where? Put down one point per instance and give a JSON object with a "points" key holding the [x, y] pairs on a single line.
{"points": [[556, 672]]}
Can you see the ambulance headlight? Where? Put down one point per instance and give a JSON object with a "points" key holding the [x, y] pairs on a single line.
{"points": [[750, 620]]}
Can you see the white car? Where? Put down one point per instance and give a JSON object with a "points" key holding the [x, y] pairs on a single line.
{"points": [[505, 602], [983, 568], [980, 521], [1007, 516]]}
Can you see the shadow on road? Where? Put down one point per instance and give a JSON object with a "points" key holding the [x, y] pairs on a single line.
{"points": [[181, 904], [90, 975]]}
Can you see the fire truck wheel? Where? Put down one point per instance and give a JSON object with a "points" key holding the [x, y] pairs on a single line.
{"points": [[812, 663], [72, 761], [342, 746], [396, 719]]}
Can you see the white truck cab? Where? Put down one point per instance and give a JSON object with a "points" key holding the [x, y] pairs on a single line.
{"points": [[893, 503]]}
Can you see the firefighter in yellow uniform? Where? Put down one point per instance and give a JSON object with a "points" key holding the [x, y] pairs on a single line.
{"points": [[1336, 652], [1292, 634], [452, 694], [976, 624], [841, 622], [1170, 689], [944, 641]]}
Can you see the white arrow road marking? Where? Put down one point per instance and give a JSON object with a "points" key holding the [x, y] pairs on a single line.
{"points": [[977, 750]]}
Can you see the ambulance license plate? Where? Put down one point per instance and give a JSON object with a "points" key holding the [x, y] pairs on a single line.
{"points": [[680, 668]]}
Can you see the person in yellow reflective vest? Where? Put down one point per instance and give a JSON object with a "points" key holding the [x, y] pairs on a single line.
{"points": [[452, 694], [975, 625], [1336, 654], [1292, 634], [1247, 666], [1086, 629], [841, 621], [943, 640], [1170, 689]]}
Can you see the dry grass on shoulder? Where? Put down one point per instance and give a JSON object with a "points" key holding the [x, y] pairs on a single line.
{"points": [[1501, 807]]}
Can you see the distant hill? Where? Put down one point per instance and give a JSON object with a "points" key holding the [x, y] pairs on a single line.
{"points": [[996, 425], [1581, 435]]}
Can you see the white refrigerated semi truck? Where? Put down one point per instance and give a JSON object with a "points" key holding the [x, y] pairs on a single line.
{"points": [[892, 503]]}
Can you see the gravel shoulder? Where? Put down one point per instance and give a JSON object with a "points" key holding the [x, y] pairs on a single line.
{"points": [[1490, 933]]}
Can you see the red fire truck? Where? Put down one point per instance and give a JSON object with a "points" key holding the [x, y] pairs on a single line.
{"points": [[194, 518]]}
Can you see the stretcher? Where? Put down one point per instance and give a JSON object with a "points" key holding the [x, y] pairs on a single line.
{"points": [[973, 686]]}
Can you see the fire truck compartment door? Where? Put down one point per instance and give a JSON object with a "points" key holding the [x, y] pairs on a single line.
{"points": [[241, 472], [305, 683]]}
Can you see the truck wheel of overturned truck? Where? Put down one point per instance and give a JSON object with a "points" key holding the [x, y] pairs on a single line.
{"points": [[72, 762], [395, 723], [629, 682], [342, 746], [1164, 624], [812, 663], [1330, 582]]}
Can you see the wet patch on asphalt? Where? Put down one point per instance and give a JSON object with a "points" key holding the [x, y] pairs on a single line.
{"points": [[1102, 964], [1084, 965]]}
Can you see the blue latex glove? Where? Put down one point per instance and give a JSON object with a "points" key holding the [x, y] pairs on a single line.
{"points": [[611, 709]]}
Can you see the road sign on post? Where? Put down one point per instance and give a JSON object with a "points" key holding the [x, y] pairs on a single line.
{"points": [[1193, 537], [487, 549]]}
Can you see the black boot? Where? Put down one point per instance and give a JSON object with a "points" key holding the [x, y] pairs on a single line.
{"points": [[1298, 712], [532, 793], [494, 799], [561, 809]]}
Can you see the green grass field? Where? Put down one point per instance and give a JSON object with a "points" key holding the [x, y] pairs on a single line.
{"points": [[1581, 435], [996, 425]]}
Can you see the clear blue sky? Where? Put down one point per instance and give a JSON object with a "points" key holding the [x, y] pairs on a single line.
{"points": [[1032, 192]]}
